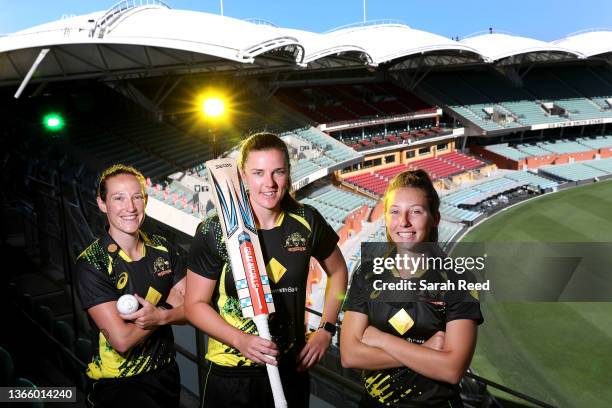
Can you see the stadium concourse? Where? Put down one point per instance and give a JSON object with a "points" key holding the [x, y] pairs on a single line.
{"points": [[495, 119]]}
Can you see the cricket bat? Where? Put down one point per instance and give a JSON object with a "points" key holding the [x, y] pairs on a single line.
{"points": [[243, 248]]}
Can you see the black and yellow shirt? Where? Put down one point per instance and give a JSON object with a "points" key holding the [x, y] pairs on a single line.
{"points": [[416, 319], [287, 248], [104, 273]]}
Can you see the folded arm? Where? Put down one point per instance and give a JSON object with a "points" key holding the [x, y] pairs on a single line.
{"points": [[448, 364]]}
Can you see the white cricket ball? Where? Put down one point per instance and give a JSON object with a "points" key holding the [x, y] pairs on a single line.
{"points": [[127, 304]]}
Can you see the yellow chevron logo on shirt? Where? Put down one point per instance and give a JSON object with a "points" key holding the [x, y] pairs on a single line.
{"points": [[275, 270], [401, 321]]}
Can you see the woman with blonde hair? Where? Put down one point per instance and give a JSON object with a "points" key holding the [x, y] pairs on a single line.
{"points": [[414, 347]]}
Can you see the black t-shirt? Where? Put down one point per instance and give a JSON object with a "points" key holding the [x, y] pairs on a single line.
{"points": [[105, 273], [287, 248], [415, 320]]}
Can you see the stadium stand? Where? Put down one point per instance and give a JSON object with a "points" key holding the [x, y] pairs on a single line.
{"points": [[580, 148], [336, 204], [492, 103], [371, 182], [533, 179], [109, 148], [377, 139], [587, 170], [604, 165], [456, 213], [336, 103], [461, 160], [175, 195], [563, 147], [161, 140], [444, 165], [599, 142], [532, 150], [453, 204], [331, 152]]}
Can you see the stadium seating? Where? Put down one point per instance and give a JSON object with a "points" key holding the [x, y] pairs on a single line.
{"points": [[442, 166], [456, 213], [302, 168], [162, 140], [532, 150], [600, 142], [449, 206], [395, 137], [461, 160], [436, 167], [175, 195], [589, 81], [335, 204], [333, 103], [370, 182], [604, 165], [470, 93], [550, 148], [564, 147], [332, 152], [533, 179], [111, 148], [580, 171]]}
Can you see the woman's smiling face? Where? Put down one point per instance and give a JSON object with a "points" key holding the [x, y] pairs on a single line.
{"points": [[408, 218]]}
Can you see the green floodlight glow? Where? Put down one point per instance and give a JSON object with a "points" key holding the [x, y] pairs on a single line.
{"points": [[53, 122]]}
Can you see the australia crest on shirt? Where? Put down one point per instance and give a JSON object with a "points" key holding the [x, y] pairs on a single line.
{"points": [[161, 267], [295, 242]]}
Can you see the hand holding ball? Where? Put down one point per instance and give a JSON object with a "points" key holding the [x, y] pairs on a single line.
{"points": [[127, 304]]}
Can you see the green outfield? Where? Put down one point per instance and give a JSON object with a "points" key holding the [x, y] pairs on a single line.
{"points": [[560, 353]]}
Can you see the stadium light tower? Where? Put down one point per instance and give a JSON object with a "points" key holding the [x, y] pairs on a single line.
{"points": [[364, 11], [213, 109], [54, 124]]}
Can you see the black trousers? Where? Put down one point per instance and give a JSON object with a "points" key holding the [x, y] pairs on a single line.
{"points": [[249, 387], [159, 388]]}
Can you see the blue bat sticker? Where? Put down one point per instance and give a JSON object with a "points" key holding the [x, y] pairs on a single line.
{"points": [[245, 210], [229, 213]]}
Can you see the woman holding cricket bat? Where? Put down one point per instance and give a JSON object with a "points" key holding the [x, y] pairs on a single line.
{"points": [[414, 346], [289, 235]]}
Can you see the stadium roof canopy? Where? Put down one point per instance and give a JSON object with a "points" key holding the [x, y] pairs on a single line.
{"points": [[326, 52], [149, 38], [590, 43], [507, 49], [145, 39], [392, 44]]}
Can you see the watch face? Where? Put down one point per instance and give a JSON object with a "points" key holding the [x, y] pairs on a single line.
{"points": [[330, 328]]}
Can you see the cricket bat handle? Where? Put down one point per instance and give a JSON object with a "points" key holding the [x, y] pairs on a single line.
{"points": [[261, 321]]}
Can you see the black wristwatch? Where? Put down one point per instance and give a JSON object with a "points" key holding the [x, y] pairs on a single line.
{"points": [[329, 327]]}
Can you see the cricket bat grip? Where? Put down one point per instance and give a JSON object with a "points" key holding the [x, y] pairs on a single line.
{"points": [[261, 321]]}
